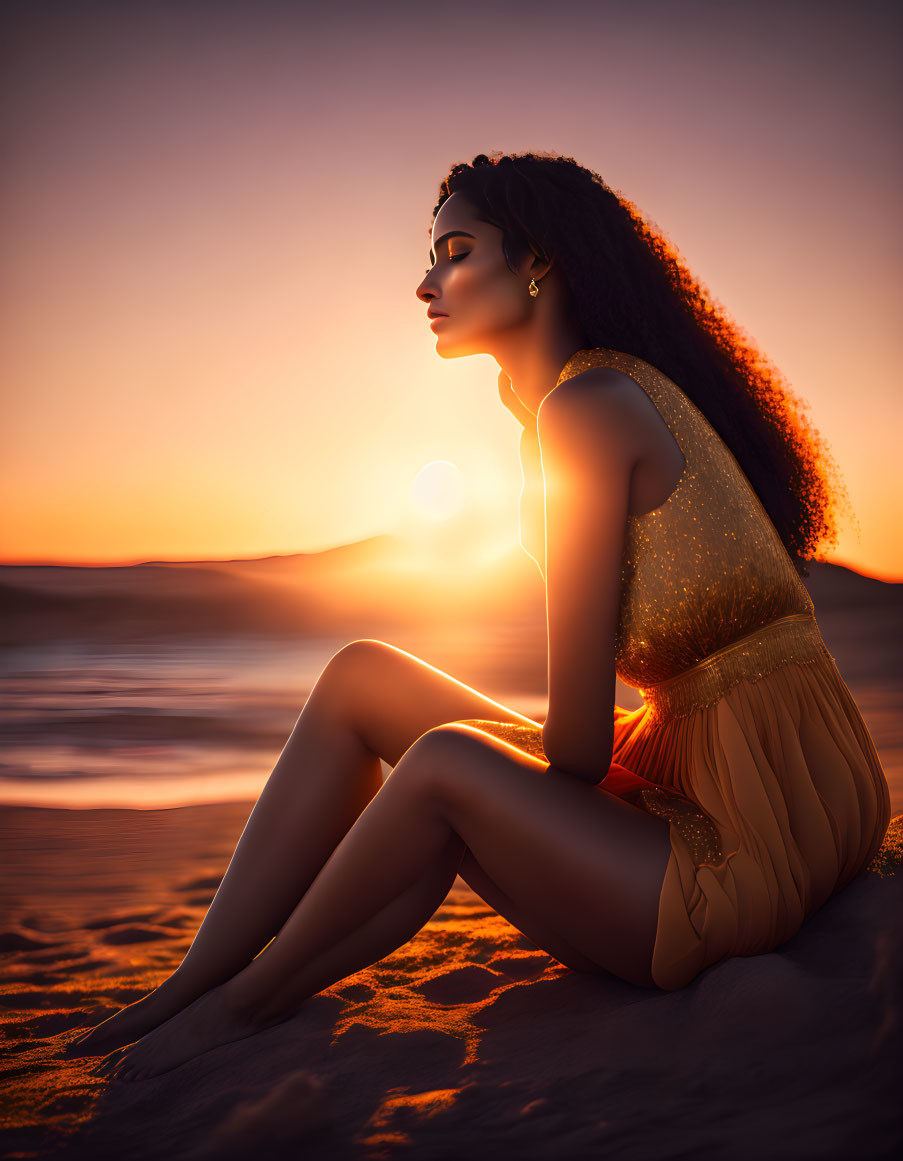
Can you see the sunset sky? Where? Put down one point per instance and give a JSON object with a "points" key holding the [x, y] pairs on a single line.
{"points": [[215, 216]]}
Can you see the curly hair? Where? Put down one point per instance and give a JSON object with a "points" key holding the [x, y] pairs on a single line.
{"points": [[629, 290]]}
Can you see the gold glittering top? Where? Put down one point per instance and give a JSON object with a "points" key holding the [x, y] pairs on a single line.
{"points": [[704, 571]]}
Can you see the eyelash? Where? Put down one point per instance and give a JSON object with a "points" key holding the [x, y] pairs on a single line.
{"points": [[451, 258]]}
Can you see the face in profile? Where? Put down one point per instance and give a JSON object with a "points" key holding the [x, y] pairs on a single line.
{"points": [[470, 286]]}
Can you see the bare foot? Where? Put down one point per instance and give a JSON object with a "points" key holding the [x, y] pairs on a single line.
{"points": [[209, 1021], [125, 1026]]}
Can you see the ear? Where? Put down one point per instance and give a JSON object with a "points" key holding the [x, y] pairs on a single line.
{"points": [[539, 267]]}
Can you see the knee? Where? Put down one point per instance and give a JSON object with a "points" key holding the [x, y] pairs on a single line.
{"points": [[425, 762], [450, 741], [437, 759], [363, 652], [352, 667]]}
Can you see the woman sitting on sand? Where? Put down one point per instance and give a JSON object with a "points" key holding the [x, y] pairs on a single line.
{"points": [[681, 492]]}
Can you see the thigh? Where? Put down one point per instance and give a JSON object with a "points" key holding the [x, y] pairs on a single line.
{"points": [[390, 697], [526, 922], [571, 857]]}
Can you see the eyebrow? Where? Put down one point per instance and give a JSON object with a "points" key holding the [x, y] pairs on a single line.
{"points": [[450, 234]]}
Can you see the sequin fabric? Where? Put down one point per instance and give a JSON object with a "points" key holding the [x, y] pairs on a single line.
{"points": [[700, 573], [692, 824], [795, 638]]}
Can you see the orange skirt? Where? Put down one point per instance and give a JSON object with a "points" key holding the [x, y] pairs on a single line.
{"points": [[774, 752], [760, 760]]}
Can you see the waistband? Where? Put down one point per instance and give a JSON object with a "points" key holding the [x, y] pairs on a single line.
{"points": [[795, 638]]}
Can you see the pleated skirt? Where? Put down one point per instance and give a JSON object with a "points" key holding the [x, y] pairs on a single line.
{"points": [[773, 787]]}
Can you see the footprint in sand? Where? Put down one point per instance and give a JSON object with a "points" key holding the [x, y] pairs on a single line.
{"points": [[181, 917], [56, 1022], [137, 934], [207, 883], [358, 993], [86, 965], [11, 941], [59, 955], [521, 967], [27, 999], [460, 986], [121, 920]]}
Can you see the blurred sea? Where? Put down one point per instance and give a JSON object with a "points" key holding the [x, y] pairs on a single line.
{"points": [[158, 724], [162, 724], [155, 685]]}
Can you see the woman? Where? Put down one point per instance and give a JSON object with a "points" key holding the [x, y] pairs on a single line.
{"points": [[681, 493]]}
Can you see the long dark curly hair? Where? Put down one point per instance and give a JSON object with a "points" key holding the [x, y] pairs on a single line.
{"points": [[630, 291]]}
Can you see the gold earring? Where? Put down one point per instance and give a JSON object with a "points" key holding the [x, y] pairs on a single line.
{"points": [[533, 288]]}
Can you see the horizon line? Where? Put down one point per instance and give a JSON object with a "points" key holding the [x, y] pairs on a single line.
{"points": [[134, 563], [46, 562]]}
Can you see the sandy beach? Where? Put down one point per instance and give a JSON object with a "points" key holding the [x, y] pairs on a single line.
{"points": [[293, 293], [468, 1040]]}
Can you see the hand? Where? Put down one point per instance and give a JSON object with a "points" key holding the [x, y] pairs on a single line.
{"points": [[521, 413]]}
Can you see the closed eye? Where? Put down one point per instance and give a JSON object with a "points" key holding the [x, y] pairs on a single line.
{"points": [[451, 258]]}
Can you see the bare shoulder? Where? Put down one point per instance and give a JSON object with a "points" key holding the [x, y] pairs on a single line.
{"points": [[599, 405]]}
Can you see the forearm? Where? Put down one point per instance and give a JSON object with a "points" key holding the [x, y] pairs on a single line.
{"points": [[587, 764]]}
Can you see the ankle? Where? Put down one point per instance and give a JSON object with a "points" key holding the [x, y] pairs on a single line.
{"points": [[248, 1010], [175, 993]]}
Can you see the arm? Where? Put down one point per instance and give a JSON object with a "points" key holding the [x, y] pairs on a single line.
{"points": [[588, 455]]}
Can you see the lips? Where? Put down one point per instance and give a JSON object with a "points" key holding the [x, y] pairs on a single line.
{"points": [[431, 314]]}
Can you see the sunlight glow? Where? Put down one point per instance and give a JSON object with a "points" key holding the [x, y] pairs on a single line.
{"points": [[437, 491]]}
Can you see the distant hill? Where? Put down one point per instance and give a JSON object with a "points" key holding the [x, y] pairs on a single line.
{"points": [[836, 586], [357, 588], [362, 588]]}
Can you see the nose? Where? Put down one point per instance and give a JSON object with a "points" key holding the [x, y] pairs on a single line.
{"points": [[426, 292]]}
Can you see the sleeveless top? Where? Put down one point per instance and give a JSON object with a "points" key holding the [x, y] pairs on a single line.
{"points": [[708, 589]]}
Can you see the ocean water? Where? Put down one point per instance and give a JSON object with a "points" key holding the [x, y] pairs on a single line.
{"points": [[156, 724], [173, 720], [161, 723]]}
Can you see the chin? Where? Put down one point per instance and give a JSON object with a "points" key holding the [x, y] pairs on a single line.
{"points": [[447, 348], [449, 352]]}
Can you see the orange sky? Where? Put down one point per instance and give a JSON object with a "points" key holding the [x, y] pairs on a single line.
{"points": [[213, 230]]}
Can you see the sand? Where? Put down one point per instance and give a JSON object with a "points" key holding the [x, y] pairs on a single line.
{"points": [[466, 1041]]}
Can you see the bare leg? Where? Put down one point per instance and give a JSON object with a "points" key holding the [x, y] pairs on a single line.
{"points": [[572, 853], [371, 701]]}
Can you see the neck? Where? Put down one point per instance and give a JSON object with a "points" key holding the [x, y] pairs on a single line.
{"points": [[534, 365]]}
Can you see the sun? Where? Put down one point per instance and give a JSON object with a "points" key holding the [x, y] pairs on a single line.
{"points": [[437, 491]]}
